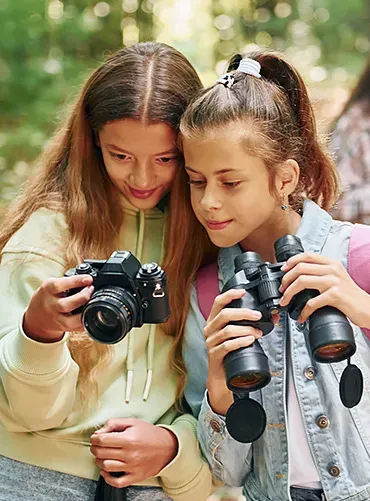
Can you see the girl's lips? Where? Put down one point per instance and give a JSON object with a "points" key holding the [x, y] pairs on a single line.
{"points": [[218, 225], [141, 193]]}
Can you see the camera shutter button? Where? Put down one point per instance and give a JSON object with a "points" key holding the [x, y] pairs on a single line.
{"points": [[150, 268], [83, 268]]}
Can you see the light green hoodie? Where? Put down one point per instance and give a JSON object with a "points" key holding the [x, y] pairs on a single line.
{"points": [[42, 421]]}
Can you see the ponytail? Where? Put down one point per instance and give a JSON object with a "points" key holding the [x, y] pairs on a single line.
{"points": [[319, 177], [279, 106]]}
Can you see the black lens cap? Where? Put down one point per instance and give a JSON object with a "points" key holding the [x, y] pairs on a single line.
{"points": [[246, 420], [351, 386]]}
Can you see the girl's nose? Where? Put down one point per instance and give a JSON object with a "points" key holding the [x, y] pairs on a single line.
{"points": [[142, 176], [210, 200]]}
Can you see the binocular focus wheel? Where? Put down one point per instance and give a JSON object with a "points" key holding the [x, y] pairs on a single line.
{"points": [[246, 420]]}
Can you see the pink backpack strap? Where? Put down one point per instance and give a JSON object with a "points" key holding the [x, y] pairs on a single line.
{"points": [[207, 287], [359, 259], [359, 256]]}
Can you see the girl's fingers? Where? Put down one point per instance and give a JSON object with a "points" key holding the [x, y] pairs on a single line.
{"points": [[306, 257], [70, 303], [57, 286], [219, 352], [110, 465], [228, 315], [223, 299], [304, 269], [231, 332], [325, 299], [122, 481], [113, 453], [303, 282]]}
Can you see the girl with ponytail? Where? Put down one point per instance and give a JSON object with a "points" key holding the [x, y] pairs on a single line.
{"points": [[257, 171]]}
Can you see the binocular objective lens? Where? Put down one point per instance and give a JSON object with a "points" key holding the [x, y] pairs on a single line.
{"points": [[333, 351], [249, 380]]}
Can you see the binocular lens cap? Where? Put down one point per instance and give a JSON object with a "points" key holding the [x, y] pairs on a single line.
{"points": [[351, 386], [246, 420]]}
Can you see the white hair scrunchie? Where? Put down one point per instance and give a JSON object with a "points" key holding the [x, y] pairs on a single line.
{"points": [[248, 66]]}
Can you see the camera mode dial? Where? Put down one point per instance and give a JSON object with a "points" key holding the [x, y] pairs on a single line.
{"points": [[83, 268]]}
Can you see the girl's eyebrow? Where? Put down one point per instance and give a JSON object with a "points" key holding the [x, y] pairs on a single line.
{"points": [[221, 171], [167, 152]]}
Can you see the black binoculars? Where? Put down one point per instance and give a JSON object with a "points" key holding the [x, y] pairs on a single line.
{"points": [[330, 337]]}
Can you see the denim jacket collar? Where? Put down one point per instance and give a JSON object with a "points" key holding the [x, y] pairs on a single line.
{"points": [[313, 231]]}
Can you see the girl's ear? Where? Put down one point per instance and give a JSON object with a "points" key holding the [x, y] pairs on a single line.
{"points": [[286, 178]]}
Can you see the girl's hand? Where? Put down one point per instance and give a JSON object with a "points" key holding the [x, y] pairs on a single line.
{"points": [[48, 315], [137, 448], [331, 279], [221, 339]]}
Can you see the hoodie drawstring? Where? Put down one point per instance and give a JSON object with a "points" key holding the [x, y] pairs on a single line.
{"points": [[151, 345], [131, 337]]}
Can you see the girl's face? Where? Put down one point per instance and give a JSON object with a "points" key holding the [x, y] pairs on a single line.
{"points": [[140, 159], [230, 191]]}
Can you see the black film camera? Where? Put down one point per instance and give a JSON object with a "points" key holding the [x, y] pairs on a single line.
{"points": [[330, 338], [127, 294]]}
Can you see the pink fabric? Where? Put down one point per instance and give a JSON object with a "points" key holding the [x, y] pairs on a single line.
{"points": [[359, 259], [207, 287]]}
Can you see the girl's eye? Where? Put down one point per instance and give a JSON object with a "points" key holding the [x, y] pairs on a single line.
{"points": [[167, 160], [233, 184], [196, 182], [118, 156]]}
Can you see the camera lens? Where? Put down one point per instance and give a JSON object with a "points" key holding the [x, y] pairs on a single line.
{"points": [[110, 314], [107, 318]]}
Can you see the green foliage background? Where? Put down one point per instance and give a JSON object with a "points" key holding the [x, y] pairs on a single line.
{"points": [[47, 48]]}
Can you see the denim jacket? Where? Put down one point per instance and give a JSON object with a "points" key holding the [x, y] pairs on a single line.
{"points": [[341, 450]]}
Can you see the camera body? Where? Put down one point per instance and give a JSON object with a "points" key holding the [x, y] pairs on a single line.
{"points": [[127, 295]]}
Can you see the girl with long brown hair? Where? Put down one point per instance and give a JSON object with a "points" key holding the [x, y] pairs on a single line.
{"points": [[71, 407], [257, 172]]}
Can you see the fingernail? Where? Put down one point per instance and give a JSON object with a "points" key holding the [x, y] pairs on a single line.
{"points": [[281, 288], [284, 267], [250, 339], [282, 301], [256, 315], [86, 280]]}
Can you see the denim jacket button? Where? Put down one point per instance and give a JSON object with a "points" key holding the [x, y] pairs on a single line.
{"points": [[215, 425], [334, 471], [322, 422], [310, 372], [301, 327]]}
